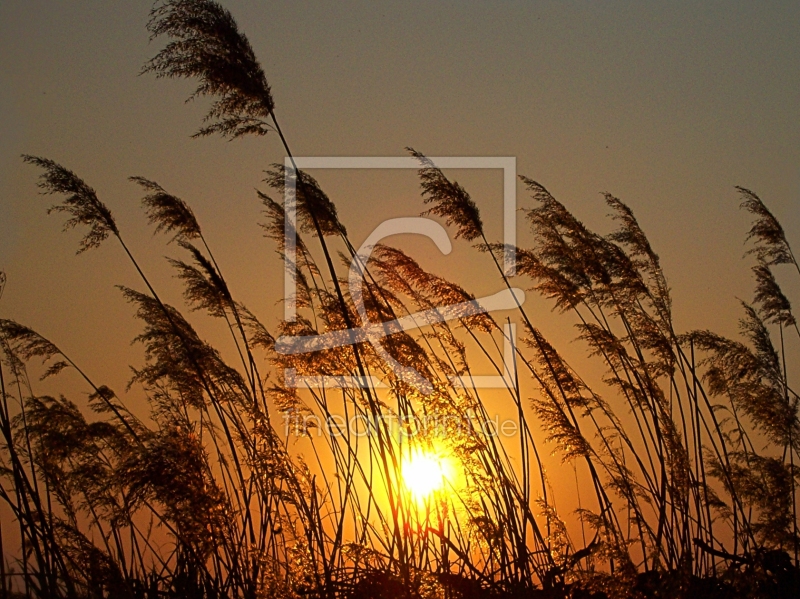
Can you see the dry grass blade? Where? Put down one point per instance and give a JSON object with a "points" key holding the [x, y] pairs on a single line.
{"points": [[207, 44]]}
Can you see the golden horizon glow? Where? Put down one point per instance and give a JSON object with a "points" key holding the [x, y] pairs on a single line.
{"points": [[425, 472]]}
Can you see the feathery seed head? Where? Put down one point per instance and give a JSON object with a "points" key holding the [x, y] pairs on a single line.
{"points": [[449, 199], [168, 212], [771, 246], [312, 202], [206, 44], [81, 203], [774, 305]]}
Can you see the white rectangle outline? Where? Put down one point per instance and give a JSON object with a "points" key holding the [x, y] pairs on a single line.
{"points": [[507, 163]]}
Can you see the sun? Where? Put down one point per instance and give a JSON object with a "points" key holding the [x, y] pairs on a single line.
{"points": [[424, 473]]}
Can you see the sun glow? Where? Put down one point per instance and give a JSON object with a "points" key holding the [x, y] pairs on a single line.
{"points": [[425, 473]]}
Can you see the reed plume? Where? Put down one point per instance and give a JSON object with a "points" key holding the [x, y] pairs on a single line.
{"points": [[206, 44], [81, 203], [167, 212], [450, 200]]}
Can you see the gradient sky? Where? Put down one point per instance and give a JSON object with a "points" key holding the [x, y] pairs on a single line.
{"points": [[666, 105]]}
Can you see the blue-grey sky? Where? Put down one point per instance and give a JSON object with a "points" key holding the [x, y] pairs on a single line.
{"points": [[667, 105]]}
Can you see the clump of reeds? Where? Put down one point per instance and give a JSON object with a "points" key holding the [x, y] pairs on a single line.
{"points": [[688, 446]]}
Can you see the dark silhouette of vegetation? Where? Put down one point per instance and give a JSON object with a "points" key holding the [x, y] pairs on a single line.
{"points": [[688, 454]]}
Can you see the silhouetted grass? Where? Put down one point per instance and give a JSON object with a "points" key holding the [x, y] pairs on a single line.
{"points": [[688, 453]]}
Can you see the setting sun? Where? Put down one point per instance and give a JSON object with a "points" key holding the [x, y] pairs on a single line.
{"points": [[424, 473]]}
